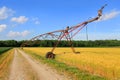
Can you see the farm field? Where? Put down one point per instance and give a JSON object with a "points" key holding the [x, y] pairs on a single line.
{"points": [[4, 49], [98, 61], [5, 59]]}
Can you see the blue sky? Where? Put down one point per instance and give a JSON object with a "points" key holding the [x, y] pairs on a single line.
{"points": [[24, 19]]}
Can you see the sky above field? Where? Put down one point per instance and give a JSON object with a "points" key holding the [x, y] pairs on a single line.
{"points": [[24, 19]]}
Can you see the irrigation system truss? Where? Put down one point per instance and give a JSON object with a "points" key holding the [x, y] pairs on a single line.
{"points": [[64, 34]]}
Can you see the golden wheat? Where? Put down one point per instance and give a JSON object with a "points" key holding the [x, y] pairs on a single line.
{"points": [[99, 61]]}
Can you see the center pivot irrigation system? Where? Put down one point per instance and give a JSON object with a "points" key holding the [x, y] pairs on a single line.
{"points": [[64, 34]]}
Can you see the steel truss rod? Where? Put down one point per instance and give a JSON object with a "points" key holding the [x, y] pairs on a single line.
{"points": [[65, 33]]}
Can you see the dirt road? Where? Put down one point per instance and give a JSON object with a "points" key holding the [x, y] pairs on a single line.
{"points": [[24, 67]]}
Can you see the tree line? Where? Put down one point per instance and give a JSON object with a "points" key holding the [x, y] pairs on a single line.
{"points": [[63, 43]]}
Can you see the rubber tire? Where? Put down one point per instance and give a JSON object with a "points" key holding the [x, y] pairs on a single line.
{"points": [[50, 55]]}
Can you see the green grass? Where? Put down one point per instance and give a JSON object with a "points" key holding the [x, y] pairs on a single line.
{"points": [[73, 72], [4, 49], [3, 55]]}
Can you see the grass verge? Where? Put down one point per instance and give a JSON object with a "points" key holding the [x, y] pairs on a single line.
{"points": [[5, 60], [73, 72], [4, 49]]}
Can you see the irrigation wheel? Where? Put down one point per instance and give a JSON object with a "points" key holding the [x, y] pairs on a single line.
{"points": [[50, 55]]}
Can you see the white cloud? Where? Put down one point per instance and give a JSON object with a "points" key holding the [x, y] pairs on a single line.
{"points": [[109, 15], [20, 19], [25, 33], [36, 20], [5, 12], [2, 27], [18, 34]]}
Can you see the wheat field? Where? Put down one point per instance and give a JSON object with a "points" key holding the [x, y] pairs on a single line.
{"points": [[98, 61]]}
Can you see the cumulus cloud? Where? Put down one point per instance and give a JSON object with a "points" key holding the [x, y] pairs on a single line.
{"points": [[20, 19], [109, 15], [18, 34], [2, 27], [5, 13]]}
